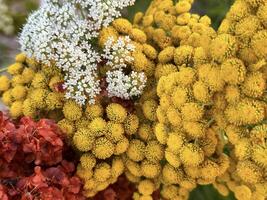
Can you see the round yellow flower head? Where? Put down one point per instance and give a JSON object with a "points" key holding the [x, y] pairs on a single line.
{"points": [[249, 172], [19, 92], [103, 148], [175, 141], [239, 10], [115, 131], [4, 83], [258, 44], [166, 55], [122, 26], [183, 55], [38, 97], [116, 112], [84, 174], [102, 172], [154, 151], [145, 132], [182, 7], [150, 51], [242, 192], [194, 129], [161, 133], [136, 150], [172, 158], [72, 111], [222, 47], [173, 116], [15, 69], [21, 58], [146, 187], [262, 14], [88, 161], [247, 27], [191, 155], [149, 109], [54, 100], [117, 167], [164, 70], [28, 75], [259, 155], [94, 111], [138, 35], [254, 85], [131, 124], [98, 127], [17, 80], [105, 34], [133, 167], [233, 71], [201, 92], [29, 109], [232, 94], [171, 175], [150, 169], [169, 191], [16, 109], [189, 108], [39, 80], [121, 146], [83, 140], [67, 127], [179, 97]]}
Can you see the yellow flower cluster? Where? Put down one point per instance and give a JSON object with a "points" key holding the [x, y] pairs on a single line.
{"points": [[102, 135], [242, 102], [31, 91]]}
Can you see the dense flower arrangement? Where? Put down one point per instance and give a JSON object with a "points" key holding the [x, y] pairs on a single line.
{"points": [[165, 101]]}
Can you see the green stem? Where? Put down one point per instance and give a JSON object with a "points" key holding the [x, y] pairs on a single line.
{"points": [[3, 69]]}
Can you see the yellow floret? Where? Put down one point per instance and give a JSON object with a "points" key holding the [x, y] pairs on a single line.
{"points": [[183, 55], [133, 167], [138, 35], [67, 127], [150, 51], [201, 92], [242, 192], [103, 148], [15, 69], [21, 58], [17, 80], [4, 83], [175, 141], [192, 112], [254, 85], [121, 146], [19, 92], [161, 133], [232, 94], [116, 112], [54, 81], [138, 17], [54, 100], [29, 109], [72, 111], [233, 71], [172, 158], [182, 7], [131, 124], [136, 150], [38, 97], [83, 140], [259, 155], [88, 161], [28, 75], [16, 109], [164, 70], [102, 172], [140, 61], [149, 169], [84, 174], [98, 127], [39, 80], [191, 155], [179, 97], [262, 14], [171, 175], [115, 131], [154, 151], [169, 191], [145, 132], [117, 167], [105, 34], [223, 47], [174, 117], [194, 129], [149, 109], [93, 111], [184, 19], [146, 187], [249, 172], [122, 26], [166, 55]]}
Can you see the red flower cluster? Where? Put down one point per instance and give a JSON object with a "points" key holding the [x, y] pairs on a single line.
{"points": [[31, 162]]}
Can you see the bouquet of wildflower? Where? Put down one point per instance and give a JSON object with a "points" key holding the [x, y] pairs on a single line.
{"points": [[158, 106]]}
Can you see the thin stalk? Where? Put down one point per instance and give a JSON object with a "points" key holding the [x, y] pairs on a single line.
{"points": [[3, 69]]}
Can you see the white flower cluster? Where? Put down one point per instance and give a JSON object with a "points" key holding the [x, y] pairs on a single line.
{"points": [[6, 21], [118, 56], [125, 86], [61, 32], [118, 53]]}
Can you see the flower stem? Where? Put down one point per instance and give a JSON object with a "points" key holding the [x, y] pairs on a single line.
{"points": [[3, 69]]}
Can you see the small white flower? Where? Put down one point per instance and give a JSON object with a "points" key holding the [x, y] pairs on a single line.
{"points": [[118, 53], [125, 86]]}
